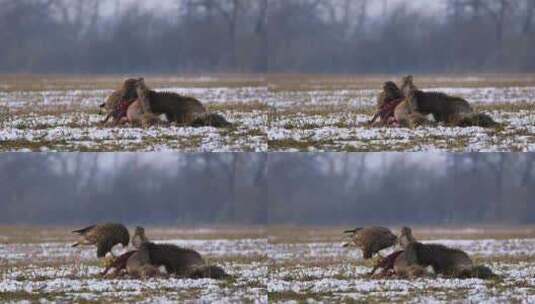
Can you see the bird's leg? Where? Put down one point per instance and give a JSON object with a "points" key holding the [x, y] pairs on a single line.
{"points": [[105, 272], [376, 265], [378, 262], [373, 270], [346, 241]]}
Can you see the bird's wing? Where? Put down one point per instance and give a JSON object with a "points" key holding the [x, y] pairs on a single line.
{"points": [[353, 230], [84, 230]]}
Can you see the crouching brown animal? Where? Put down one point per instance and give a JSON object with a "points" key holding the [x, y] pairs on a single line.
{"points": [[444, 260], [183, 262], [448, 109], [177, 108]]}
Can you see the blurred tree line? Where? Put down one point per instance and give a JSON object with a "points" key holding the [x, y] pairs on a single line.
{"points": [[322, 36], [342, 36], [261, 188], [183, 189], [390, 188], [77, 37]]}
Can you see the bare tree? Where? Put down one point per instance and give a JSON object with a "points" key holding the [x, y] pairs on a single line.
{"points": [[499, 15], [319, 36], [528, 19]]}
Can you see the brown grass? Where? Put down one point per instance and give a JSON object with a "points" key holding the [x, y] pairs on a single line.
{"points": [[301, 82], [38, 234], [303, 234], [35, 82], [292, 82], [238, 106]]}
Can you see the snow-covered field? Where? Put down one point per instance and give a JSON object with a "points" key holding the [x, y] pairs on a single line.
{"points": [[69, 121], [317, 270], [52, 272], [359, 98], [335, 120], [289, 266], [312, 116]]}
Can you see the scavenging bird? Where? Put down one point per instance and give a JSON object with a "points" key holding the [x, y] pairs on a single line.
{"points": [[371, 240], [104, 236]]}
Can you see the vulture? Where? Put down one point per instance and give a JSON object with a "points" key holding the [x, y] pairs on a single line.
{"points": [[371, 240], [104, 236]]}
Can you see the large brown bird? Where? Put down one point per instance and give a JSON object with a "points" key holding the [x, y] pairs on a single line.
{"points": [[371, 240], [104, 236]]}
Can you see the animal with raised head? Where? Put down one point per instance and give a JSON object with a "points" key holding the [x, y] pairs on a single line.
{"points": [[444, 260], [444, 108], [175, 259], [397, 261], [451, 110], [177, 108], [407, 85], [405, 265], [104, 236], [371, 240], [406, 237], [139, 237], [183, 262], [139, 264]]}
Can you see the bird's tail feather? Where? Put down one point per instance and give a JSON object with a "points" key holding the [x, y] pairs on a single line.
{"points": [[353, 230], [83, 230]]}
